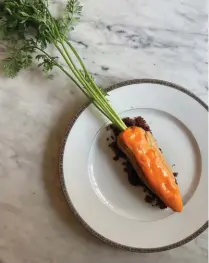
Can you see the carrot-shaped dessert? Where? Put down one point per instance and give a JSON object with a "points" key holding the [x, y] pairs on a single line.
{"points": [[143, 152]]}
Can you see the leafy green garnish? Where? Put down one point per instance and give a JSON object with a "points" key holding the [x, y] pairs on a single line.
{"points": [[28, 28], [70, 16]]}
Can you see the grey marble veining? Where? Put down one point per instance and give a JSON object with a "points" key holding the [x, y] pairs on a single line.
{"points": [[118, 40]]}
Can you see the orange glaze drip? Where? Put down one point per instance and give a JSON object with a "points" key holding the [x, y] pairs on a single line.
{"points": [[157, 173]]}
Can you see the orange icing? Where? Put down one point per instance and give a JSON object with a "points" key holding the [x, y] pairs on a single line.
{"points": [[157, 172]]}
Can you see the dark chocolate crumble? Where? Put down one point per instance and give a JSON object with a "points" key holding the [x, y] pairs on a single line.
{"points": [[133, 178]]}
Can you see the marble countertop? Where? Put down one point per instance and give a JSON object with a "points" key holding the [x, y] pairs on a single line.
{"points": [[118, 40]]}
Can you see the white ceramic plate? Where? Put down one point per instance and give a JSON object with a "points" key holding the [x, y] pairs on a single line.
{"points": [[97, 189]]}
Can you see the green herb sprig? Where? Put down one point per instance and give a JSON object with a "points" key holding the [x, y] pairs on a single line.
{"points": [[28, 28]]}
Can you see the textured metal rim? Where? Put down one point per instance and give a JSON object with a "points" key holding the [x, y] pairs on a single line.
{"points": [[108, 241]]}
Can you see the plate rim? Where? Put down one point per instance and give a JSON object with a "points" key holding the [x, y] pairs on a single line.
{"points": [[62, 180]]}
